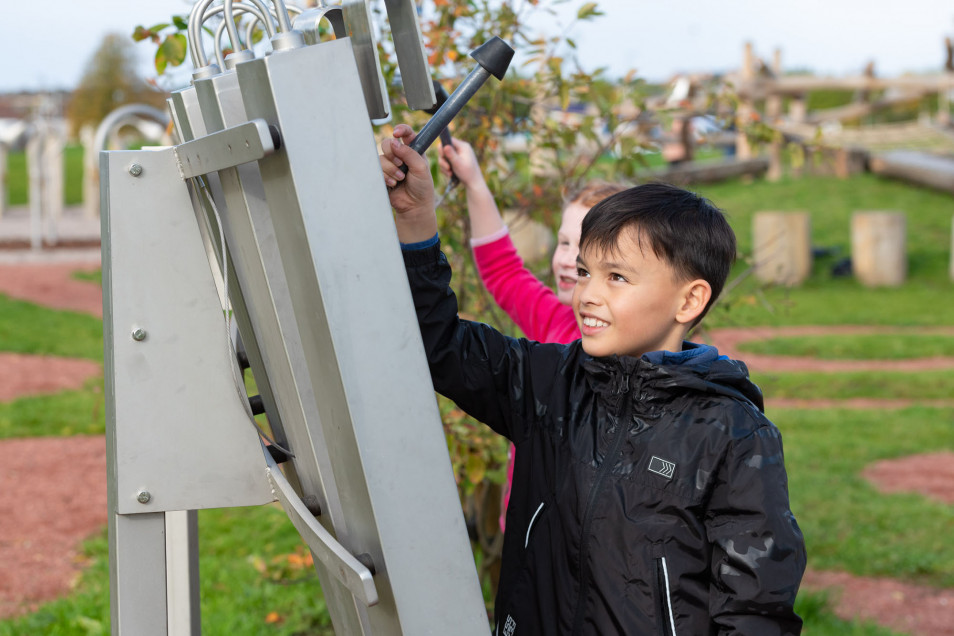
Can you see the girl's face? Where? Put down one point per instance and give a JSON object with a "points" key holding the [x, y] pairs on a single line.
{"points": [[567, 249]]}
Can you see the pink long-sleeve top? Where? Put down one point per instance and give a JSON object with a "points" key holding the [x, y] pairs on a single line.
{"points": [[533, 306]]}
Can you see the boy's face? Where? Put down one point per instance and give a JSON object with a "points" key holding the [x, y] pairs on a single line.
{"points": [[628, 301], [567, 249]]}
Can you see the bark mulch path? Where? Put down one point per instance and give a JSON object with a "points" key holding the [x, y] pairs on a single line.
{"points": [[53, 490]]}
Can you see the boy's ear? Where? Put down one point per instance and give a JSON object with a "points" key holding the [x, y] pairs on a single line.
{"points": [[695, 297]]}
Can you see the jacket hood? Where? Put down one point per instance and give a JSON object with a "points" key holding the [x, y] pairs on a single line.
{"points": [[697, 367]]}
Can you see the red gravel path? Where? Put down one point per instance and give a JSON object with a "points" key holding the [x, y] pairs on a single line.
{"points": [[42, 522], [728, 341], [52, 496]]}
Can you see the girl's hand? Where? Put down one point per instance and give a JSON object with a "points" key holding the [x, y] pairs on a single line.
{"points": [[460, 158]]}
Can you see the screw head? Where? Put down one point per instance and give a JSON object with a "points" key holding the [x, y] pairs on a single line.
{"points": [[135, 170], [143, 497], [139, 334]]}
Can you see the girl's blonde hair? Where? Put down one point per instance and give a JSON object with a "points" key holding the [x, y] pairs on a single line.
{"points": [[593, 192]]}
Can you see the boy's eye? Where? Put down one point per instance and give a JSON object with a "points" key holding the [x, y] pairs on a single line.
{"points": [[582, 273], [618, 278]]}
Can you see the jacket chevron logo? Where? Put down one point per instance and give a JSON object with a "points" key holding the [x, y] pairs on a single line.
{"points": [[662, 467]]}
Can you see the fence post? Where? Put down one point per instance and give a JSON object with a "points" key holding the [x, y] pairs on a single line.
{"points": [[53, 181], [878, 252], [782, 249], [90, 172], [34, 160]]}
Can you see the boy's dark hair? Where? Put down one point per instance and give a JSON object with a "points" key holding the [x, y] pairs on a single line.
{"points": [[683, 229]]}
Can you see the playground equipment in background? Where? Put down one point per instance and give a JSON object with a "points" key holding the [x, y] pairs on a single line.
{"points": [[272, 205]]}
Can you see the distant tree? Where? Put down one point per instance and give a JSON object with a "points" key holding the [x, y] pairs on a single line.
{"points": [[109, 81]]}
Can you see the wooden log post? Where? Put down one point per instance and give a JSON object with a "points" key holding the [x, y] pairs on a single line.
{"points": [[798, 109], [878, 248], [745, 109], [782, 247], [773, 110]]}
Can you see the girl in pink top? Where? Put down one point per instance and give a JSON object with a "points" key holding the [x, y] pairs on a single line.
{"points": [[541, 313]]}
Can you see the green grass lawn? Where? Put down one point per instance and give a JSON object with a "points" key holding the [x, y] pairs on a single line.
{"points": [[29, 328], [919, 385], [848, 524], [253, 577], [825, 299], [18, 177], [855, 347]]}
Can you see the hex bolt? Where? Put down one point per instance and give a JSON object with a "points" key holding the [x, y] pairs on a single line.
{"points": [[143, 497], [135, 170], [139, 334], [365, 559]]}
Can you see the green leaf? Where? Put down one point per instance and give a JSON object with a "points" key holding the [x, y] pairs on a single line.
{"points": [[141, 33], [588, 11], [476, 468], [172, 51], [180, 21]]}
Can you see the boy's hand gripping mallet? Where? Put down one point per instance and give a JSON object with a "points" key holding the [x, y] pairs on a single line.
{"points": [[493, 58]]}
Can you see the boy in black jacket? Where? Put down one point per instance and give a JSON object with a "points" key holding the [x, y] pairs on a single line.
{"points": [[649, 494]]}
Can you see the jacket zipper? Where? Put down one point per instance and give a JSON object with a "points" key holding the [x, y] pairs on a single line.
{"points": [[667, 622], [608, 462], [526, 540]]}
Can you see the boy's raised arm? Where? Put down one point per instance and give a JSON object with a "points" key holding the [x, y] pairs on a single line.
{"points": [[411, 194]]}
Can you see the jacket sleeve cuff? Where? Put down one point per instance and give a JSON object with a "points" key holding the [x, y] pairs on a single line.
{"points": [[420, 245], [427, 254]]}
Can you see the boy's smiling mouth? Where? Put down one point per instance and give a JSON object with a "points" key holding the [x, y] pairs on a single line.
{"points": [[594, 323], [591, 326]]}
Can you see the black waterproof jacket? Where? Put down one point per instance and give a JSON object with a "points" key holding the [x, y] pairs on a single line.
{"points": [[648, 497]]}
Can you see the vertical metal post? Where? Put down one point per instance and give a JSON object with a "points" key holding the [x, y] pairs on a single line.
{"points": [[178, 435], [350, 298], [276, 358], [182, 572]]}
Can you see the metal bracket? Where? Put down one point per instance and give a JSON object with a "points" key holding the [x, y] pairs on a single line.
{"points": [[412, 58], [345, 567], [227, 148], [352, 20]]}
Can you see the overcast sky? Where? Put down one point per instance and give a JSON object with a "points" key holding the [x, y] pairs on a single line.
{"points": [[47, 44]]}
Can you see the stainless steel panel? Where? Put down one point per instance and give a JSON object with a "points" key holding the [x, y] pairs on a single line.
{"points": [[178, 426], [361, 342]]}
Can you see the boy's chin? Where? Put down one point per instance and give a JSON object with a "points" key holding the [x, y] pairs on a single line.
{"points": [[592, 349]]}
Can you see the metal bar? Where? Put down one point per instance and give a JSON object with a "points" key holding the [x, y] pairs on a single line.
{"points": [[350, 298], [409, 46], [182, 572], [358, 26], [225, 149], [346, 568], [262, 303]]}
